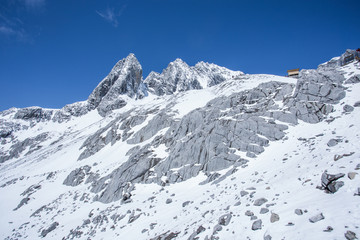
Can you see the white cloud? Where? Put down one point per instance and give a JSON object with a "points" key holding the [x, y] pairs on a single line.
{"points": [[111, 15]]}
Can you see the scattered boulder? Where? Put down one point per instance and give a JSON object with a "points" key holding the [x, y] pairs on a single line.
{"points": [[329, 183], [167, 235], [333, 142], [267, 237], [168, 201], [298, 212], [328, 229], [238, 203], [256, 225], [316, 218], [249, 213], [50, 175], [347, 108], [274, 217], [260, 201], [217, 228], [152, 225], [243, 193], [357, 167], [133, 217], [184, 204], [264, 210], [49, 229], [351, 175], [358, 192], [349, 235], [357, 104], [225, 219]]}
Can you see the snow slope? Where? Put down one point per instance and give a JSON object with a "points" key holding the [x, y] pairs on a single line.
{"points": [[281, 185]]}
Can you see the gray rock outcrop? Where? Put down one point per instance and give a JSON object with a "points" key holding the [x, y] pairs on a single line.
{"points": [[337, 61], [77, 176], [31, 144], [49, 229], [34, 113], [205, 139]]}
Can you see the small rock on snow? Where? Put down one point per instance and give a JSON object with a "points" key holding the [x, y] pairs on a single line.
{"points": [[256, 225], [350, 235], [260, 201], [298, 212], [317, 218], [274, 217]]}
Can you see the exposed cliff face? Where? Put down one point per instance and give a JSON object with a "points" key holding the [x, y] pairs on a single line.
{"points": [[207, 146], [124, 79]]}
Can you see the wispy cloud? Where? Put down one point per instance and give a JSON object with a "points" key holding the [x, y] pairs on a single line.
{"points": [[11, 14], [12, 28], [6, 30], [111, 15], [33, 4]]}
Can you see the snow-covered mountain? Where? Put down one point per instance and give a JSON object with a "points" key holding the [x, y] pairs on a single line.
{"points": [[194, 152]]}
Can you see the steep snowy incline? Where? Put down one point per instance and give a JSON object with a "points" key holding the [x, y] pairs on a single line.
{"points": [[237, 157]]}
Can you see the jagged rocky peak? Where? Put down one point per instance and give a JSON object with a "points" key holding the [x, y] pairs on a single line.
{"points": [[124, 79], [335, 62], [179, 77], [214, 74]]}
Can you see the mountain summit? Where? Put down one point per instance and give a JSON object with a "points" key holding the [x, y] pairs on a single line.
{"points": [[193, 152]]}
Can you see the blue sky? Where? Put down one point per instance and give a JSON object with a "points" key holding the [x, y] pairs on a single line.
{"points": [[54, 53]]}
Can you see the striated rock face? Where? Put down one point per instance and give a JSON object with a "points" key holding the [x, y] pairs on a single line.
{"points": [[206, 139], [31, 144], [77, 176], [33, 113]]}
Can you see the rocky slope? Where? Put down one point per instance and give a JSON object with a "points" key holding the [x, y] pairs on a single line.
{"points": [[198, 152]]}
